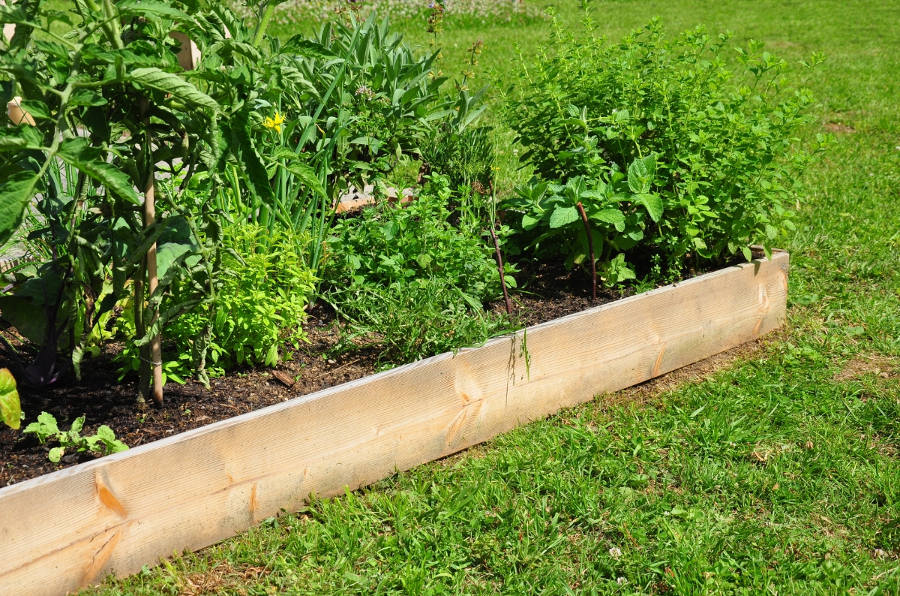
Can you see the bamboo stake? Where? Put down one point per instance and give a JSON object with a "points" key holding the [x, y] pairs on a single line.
{"points": [[151, 354], [139, 331], [188, 58], [587, 230]]}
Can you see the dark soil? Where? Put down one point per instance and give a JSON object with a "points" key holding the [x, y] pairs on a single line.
{"points": [[548, 292]]}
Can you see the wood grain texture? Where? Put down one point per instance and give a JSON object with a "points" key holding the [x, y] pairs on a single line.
{"points": [[113, 515]]}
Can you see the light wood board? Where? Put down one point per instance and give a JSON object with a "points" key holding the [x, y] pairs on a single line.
{"points": [[70, 528]]}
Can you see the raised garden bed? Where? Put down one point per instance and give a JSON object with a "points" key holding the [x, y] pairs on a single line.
{"points": [[69, 528]]}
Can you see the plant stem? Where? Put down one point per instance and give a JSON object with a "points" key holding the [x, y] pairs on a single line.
{"points": [[587, 231], [263, 24], [500, 269]]}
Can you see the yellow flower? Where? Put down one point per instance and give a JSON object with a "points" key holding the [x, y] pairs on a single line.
{"points": [[275, 122]]}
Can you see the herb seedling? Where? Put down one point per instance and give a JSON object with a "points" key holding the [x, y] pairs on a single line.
{"points": [[45, 428]]}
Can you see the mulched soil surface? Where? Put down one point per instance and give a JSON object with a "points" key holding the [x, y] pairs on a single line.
{"points": [[548, 292]]}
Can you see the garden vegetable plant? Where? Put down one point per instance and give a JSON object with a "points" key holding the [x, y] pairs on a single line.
{"points": [[112, 111], [45, 428]]}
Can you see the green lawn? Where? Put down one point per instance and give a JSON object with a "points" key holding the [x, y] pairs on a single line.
{"points": [[778, 474]]}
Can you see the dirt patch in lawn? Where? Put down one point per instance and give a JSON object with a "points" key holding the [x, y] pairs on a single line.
{"points": [[838, 127], [881, 366], [223, 578]]}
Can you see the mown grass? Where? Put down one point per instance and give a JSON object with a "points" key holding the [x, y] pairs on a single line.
{"points": [[779, 474]]}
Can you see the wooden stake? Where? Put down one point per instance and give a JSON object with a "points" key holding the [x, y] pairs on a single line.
{"points": [[9, 29], [17, 115], [189, 54], [587, 230], [152, 283]]}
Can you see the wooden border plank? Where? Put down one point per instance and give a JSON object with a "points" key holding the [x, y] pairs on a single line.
{"points": [[68, 529]]}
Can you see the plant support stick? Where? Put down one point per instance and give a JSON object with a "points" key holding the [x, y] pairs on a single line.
{"points": [[152, 283], [587, 230]]}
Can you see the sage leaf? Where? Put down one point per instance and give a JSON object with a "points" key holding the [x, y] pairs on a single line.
{"points": [[563, 216]]}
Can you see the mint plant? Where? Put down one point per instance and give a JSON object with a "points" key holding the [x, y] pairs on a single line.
{"points": [[45, 429], [619, 210], [722, 137]]}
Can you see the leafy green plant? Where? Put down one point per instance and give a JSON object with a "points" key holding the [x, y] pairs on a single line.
{"points": [[618, 210], [370, 99], [103, 442], [466, 157], [460, 151], [10, 407], [263, 289], [409, 280], [343, 107], [722, 138]]}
